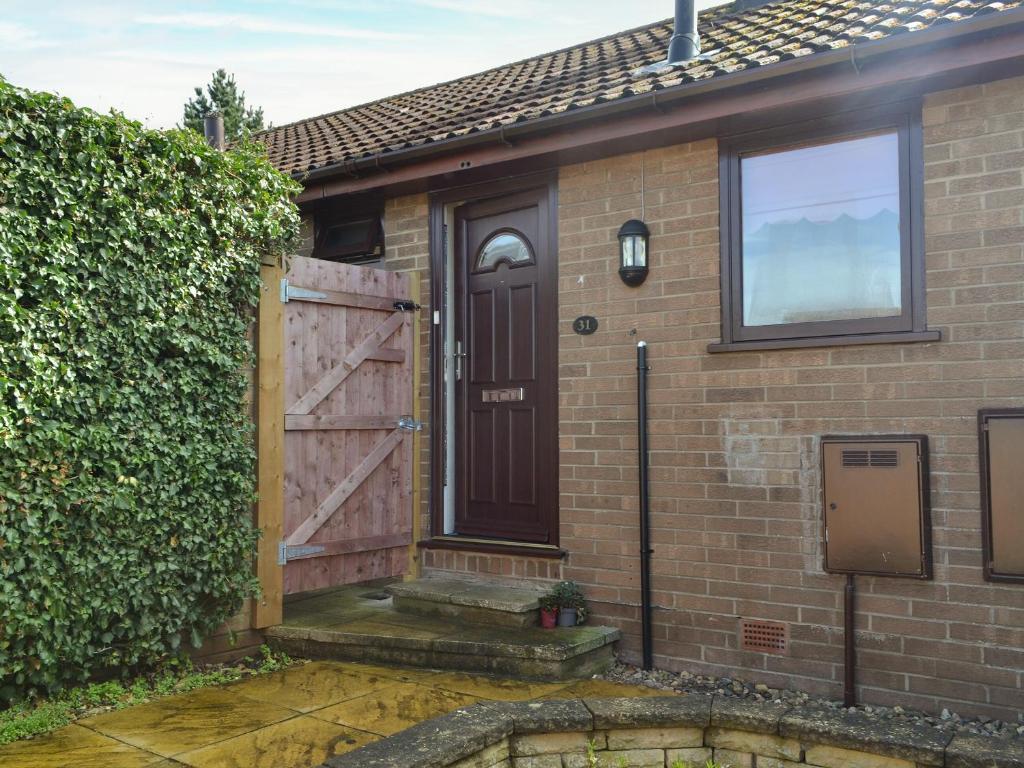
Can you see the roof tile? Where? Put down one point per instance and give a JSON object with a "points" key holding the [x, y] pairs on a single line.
{"points": [[601, 71]]}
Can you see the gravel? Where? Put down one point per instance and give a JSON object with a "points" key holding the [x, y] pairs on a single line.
{"points": [[685, 682]]}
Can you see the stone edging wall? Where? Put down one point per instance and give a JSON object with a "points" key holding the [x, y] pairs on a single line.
{"points": [[657, 731]]}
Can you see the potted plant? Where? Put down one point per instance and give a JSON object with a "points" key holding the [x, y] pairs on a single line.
{"points": [[548, 611], [572, 607]]}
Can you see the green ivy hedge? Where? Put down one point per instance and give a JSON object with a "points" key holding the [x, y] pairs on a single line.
{"points": [[129, 272]]}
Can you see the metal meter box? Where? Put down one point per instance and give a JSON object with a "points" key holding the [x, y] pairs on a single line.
{"points": [[1001, 453], [876, 507]]}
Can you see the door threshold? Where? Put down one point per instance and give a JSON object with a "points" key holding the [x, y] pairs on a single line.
{"points": [[494, 546]]}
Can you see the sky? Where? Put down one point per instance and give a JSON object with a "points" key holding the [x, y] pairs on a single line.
{"points": [[294, 58]]}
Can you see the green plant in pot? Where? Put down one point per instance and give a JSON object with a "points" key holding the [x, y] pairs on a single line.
{"points": [[572, 606], [548, 611]]}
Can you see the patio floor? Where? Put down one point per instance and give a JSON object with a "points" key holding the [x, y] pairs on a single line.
{"points": [[296, 717]]}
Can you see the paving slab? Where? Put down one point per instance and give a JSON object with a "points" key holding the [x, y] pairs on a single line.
{"points": [[312, 686], [494, 688], [390, 710], [276, 720], [400, 674], [77, 746], [300, 742], [176, 724]]}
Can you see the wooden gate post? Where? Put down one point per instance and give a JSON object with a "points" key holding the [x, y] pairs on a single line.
{"points": [[268, 608], [414, 552]]}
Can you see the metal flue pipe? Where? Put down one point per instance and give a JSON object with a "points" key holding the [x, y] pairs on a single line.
{"points": [[213, 129], [645, 504], [685, 42]]}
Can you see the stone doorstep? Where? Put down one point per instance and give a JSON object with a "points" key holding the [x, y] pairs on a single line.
{"points": [[472, 601], [533, 644], [832, 736], [579, 661]]}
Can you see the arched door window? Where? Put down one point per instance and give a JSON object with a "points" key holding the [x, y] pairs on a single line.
{"points": [[505, 246]]}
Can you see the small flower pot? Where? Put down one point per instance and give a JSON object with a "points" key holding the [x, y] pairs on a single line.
{"points": [[567, 617], [548, 617]]}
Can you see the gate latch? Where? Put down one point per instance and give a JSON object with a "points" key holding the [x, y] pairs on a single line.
{"points": [[409, 423], [286, 553], [404, 305]]}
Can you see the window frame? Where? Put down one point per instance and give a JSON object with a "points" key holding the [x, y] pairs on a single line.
{"points": [[366, 253], [903, 118]]}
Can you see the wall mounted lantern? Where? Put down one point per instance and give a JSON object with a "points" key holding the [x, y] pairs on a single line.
{"points": [[633, 238]]}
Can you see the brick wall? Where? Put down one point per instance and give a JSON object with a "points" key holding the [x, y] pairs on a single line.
{"points": [[407, 249], [734, 437]]}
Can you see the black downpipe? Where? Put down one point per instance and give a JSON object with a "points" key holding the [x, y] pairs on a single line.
{"points": [[645, 505], [685, 42], [850, 670]]}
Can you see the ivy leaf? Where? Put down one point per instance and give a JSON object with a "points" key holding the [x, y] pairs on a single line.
{"points": [[129, 276]]}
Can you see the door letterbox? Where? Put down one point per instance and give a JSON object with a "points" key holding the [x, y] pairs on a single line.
{"points": [[876, 512]]}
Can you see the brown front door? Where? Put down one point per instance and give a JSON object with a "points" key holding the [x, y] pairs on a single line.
{"points": [[506, 382]]}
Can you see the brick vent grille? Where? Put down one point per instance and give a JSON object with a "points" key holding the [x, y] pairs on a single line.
{"points": [[764, 636], [876, 458]]}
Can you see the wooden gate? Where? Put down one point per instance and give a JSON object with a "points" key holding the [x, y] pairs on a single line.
{"points": [[348, 447]]}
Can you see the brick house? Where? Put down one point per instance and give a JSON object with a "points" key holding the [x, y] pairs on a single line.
{"points": [[862, 277]]}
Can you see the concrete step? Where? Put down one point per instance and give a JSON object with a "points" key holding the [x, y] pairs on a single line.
{"points": [[351, 625], [474, 602]]}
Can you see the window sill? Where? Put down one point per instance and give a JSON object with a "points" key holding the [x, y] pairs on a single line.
{"points": [[905, 337]]}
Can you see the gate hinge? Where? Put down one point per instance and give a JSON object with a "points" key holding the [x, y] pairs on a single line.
{"points": [[286, 552], [409, 423], [291, 292], [405, 305]]}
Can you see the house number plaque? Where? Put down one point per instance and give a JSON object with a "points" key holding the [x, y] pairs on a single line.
{"points": [[584, 325]]}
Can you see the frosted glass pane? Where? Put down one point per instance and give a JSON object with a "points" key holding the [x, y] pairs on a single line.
{"points": [[821, 232], [503, 247], [634, 252]]}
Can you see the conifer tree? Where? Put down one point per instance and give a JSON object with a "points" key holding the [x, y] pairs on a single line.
{"points": [[223, 95]]}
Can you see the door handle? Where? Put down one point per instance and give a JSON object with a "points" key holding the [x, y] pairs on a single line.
{"points": [[459, 357]]}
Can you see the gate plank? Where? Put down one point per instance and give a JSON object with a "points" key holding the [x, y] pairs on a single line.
{"points": [[337, 421], [346, 299], [354, 546], [352, 360], [338, 496]]}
